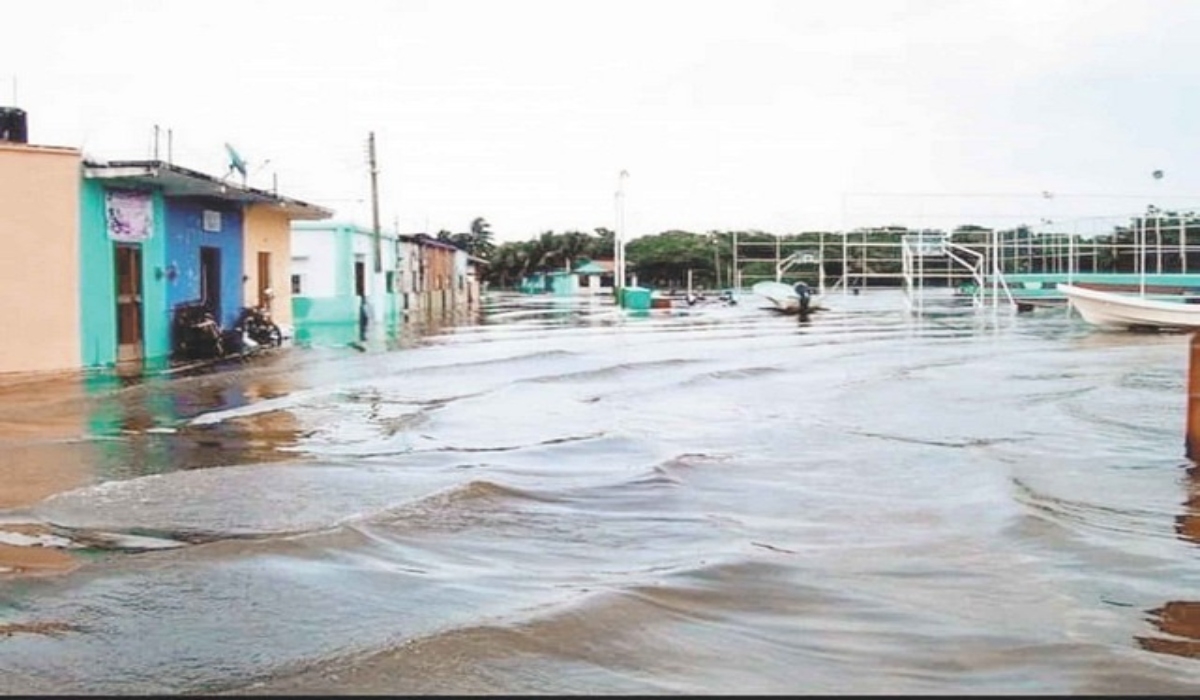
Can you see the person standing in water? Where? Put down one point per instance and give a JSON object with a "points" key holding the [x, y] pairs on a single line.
{"points": [[805, 293]]}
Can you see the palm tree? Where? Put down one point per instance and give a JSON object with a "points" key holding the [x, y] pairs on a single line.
{"points": [[506, 264], [603, 245], [481, 238], [573, 245], [545, 252]]}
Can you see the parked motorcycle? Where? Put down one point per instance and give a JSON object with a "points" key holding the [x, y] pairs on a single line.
{"points": [[255, 323], [195, 333]]}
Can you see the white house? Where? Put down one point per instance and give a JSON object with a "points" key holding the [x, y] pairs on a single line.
{"points": [[335, 283]]}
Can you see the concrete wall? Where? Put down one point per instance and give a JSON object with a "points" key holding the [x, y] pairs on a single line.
{"points": [[322, 258], [324, 255], [185, 237], [98, 286], [39, 270], [428, 279], [268, 230], [316, 255]]}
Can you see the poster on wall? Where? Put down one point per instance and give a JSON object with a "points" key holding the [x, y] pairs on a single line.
{"points": [[130, 215]]}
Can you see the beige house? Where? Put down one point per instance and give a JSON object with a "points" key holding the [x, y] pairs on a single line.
{"points": [[39, 271]]}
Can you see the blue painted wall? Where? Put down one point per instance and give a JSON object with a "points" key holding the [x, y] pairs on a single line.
{"points": [[185, 237]]}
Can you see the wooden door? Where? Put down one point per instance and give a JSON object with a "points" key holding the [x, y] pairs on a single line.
{"points": [[130, 345], [264, 279]]}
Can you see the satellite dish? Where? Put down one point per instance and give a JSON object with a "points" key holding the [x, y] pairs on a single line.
{"points": [[236, 162], [1157, 174]]}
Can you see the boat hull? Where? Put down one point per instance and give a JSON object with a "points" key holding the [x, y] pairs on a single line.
{"points": [[1130, 311], [783, 297]]}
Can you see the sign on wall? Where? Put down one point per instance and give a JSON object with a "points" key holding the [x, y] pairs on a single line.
{"points": [[211, 221], [130, 215]]}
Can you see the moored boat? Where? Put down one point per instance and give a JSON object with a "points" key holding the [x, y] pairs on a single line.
{"points": [[786, 298], [1127, 311]]}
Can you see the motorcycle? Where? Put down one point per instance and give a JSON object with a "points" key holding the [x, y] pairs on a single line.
{"points": [[255, 323], [196, 333]]}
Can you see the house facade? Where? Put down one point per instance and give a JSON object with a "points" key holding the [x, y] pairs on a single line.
{"points": [[158, 237], [39, 219], [445, 280], [589, 277], [103, 255], [594, 277], [333, 281], [336, 286]]}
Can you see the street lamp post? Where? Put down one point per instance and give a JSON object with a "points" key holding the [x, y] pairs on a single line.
{"points": [[1141, 250], [1157, 175], [716, 244], [1157, 243], [621, 228], [619, 238], [1185, 218]]}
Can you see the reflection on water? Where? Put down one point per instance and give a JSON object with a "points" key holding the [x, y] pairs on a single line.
{"points": [[327, 334], [1187, 524], [1180, 619], [562, 497]]}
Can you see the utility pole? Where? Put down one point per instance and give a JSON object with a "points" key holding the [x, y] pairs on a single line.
{"points": [[375, 204]]}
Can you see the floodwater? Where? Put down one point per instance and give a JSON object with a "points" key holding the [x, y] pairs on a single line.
{"points": [[562, 497]]}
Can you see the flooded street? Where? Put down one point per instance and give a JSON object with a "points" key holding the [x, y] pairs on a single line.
{"points": [[568, 498]]}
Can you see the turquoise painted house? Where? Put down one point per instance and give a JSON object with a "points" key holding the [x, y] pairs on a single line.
{"points": [[586, 277], [336, 291], [557, 282]]}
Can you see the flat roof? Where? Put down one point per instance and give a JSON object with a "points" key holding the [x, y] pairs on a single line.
{"points": [[419, 238], [37, 148], [177, 181]]}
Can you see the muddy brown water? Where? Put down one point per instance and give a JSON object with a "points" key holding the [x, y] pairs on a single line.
{"points": [[563, 497]]}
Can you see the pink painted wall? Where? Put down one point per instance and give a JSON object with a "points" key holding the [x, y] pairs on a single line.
{"points": [[39, 268]]}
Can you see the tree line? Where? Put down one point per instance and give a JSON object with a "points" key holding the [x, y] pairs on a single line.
{"points": [[710, 259]]}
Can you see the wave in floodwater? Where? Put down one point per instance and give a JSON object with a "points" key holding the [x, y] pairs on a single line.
{"points": [[565, 497]]}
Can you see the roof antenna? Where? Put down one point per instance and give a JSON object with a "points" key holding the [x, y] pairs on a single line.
{"points": [[236, 162]]}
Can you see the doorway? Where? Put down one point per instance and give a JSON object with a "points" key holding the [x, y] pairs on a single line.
{"points": [[264, 279], [210, 280], [130, 345], [360, 278], [360, 289]]}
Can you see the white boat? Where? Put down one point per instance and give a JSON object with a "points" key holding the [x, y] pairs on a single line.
{"points": [[784, 297], [1128, 310]]}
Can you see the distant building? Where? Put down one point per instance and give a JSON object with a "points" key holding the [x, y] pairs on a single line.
{"points": [[589, 277], [336, 286], [594, 276]]}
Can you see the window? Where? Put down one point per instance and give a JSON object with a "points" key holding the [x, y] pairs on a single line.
{"points": [[391, 282], [211, 221], [296, 286]]}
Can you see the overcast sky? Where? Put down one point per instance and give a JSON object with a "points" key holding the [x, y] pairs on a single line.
{"points": [[727, 114]]}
